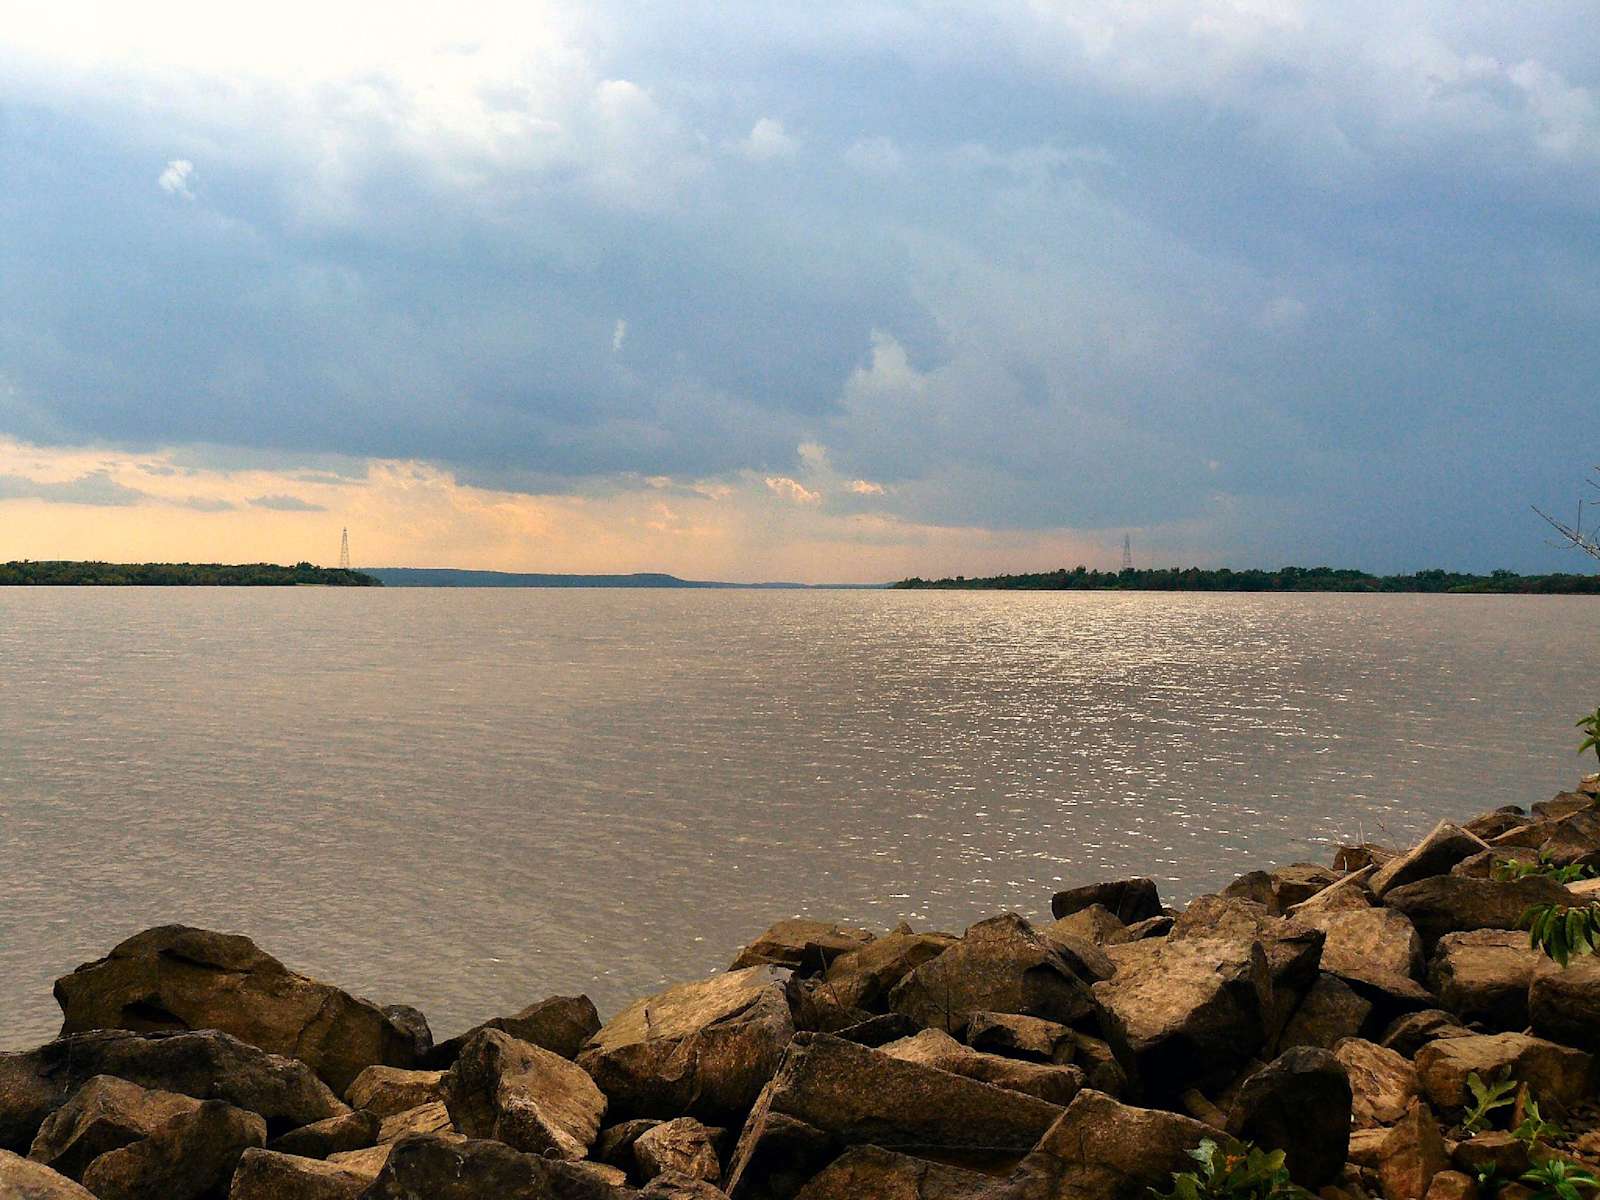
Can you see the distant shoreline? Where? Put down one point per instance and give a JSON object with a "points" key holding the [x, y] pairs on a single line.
{"points": [[1286, 579], [104, 574]]}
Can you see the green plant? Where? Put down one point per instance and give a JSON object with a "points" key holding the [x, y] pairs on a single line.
{"points": [[1591, 726], [1563, 933], [1490, 1181], [1518, 868], [1558, 1179], [1242, 1173], [1534, 1127], [1486, 1097]]}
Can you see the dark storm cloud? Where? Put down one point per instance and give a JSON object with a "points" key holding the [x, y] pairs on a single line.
{"points": [[1306, 282]]}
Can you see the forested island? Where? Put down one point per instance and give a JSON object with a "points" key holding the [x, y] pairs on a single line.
{"points": [[1286, 579], [89, 574]]}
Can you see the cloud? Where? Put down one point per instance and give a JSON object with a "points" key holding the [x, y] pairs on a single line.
{"points": [[286, 503], [791, 489], [768, 140], [619, 332], [865, 487], [96, 489], [174, 179]]}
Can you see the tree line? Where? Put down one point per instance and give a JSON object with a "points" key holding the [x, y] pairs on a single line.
{"points": [[78, 574], [1285, 579]]}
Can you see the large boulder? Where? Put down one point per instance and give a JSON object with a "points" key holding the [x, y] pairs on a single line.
{"points": [[1189, 1012], [560, 1024], [1362, 940], [1382, 1083], [525, 1096], [1445, 846], [1573, 839], [840, 1094], [697, 1049], [1455, 904], [936, 1048], [439, 1169], [21, 1179], [389, 1090], [863, 978], [1000, 965], [1564, 1005], [871, 1173], [1293, 948], [270, 1175], [1558, 1075], [206, 1064], [1483, 976], [685, 1146], [104, 1114], [1017, 1036], [802, 945], [1329, 1012], [1298, 1103], [1129, 900], [1104, 1150], [178, 978], [189, 1157]]}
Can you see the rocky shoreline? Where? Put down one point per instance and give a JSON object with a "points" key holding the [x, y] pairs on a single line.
{"points": [[1382, 1020]]}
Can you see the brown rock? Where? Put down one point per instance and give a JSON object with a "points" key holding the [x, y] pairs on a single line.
{"points": [[1129, 900], [191, 1155], [21, 1179], [697, 1049], [1452, 1185], [1411, 1155], [1299, 1103], [936, 1048], [1574, 839], [670, 1185], [433, 1168], [1282, 889], [1443, 848], [1020, 1037], [1095, 924], [1410, 1033], [684, 1146], [431, 1118], [206, 1064], [269, 1175], [1492, 1150], [865, 1172], [863, 978], [523, 1095], [1564, 1005], [178, 978], [352, 1131], [801, 945], [1361, 940], [1483, 976], [1000, 965], [560, 1024], [104, 1114], [1491, 825], [1330, 1012], [1383, 1085], [1087, 960], [1558, 1075], [1351, 891], [1453, 904], [390, 1090]]}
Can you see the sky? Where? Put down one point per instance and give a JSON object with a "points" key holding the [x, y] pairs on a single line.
{"points": [[825, 292]]}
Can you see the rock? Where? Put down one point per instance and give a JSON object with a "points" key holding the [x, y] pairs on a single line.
{"points": [[1491, 825], [1351, 891], [609, 1175], [21, 1179], [1452, 1185], [1189, 1012], [935, 1048], [105, 1114], [431, 1118], [851, 1095], [352, 1131], [190, 1156], [1483, 976], [1453, 904], [1363, 940], [1280, 890], [684, 1146], [780, 1154], [1443, 848], [815, 1005], [1573, 839], [560, 1024], [1103, 1150], [1357, 858], [178, 978], [207, 1064], [1086, 959], [1299, 1103], [1564, 1005], [523, 1095], [697, 1049], [1098, 1061], [1410, 1033], [875, 1031], [1020, 1037], [1128, 900], [1558, 1075], [270, 1175], [1001, 965], [615, 1143], [415, 1025], [672, 1186], [1411, 1155], [1095, 925], [1492, 1150], [433, 1168], [863, 978], [1293, 947], [801, 945], [865, 1172], [1382, 1083], [389, 1090], [1151, 927], [1330, 1011]]}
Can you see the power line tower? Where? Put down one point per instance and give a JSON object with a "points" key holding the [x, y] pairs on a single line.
{"points": [[344, 549], [1127, 552]]}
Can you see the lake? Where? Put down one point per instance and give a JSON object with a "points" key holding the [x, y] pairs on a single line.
{"points": [[468, 800]]}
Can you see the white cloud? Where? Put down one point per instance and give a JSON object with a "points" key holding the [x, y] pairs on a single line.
{"points": [[618, 333], [767, 140], [874, 156], [865, 487], [174, 180], [792, 489]]}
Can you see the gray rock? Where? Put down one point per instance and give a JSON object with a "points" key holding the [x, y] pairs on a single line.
{"points": [[105, 1114], [415, 1025], [523, 1095], [1299, 1103], [178, 978], [190, 1156], [1001, 965], [697, 1049]]}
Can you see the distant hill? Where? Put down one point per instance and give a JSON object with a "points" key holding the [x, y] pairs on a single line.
{"points": [[1287, 579], [104, 574], [450, 577]]}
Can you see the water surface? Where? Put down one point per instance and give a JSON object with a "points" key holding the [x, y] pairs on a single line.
{"points": [[467, 800]]}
